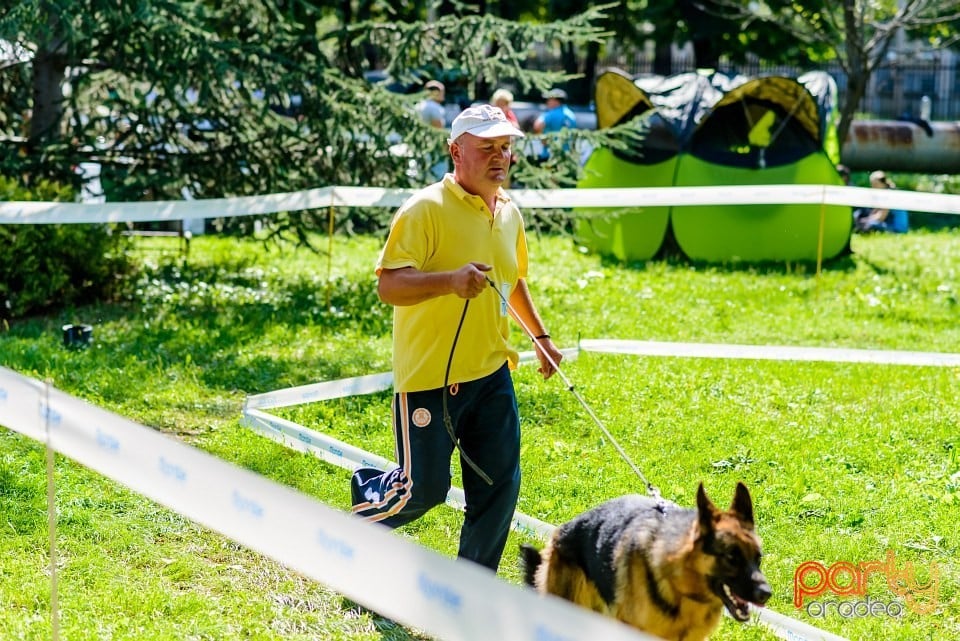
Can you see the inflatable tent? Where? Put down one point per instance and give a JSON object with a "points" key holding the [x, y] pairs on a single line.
{"points": [[699, 129]]}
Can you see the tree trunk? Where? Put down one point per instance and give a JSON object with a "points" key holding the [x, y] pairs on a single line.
{"points": [[589, 73], [663, 59], [705, 54], [856, 88], [49, 71], [568, 58], [370, 53], [856, 67]]}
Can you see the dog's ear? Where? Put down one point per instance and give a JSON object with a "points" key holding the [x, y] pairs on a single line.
{"points": [[742, 503], [706, 510]]}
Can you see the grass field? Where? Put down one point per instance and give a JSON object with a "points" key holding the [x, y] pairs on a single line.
{"points": [[846, 462]]}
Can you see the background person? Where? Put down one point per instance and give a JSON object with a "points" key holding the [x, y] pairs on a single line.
{"points": [[558, 116], [880, 219], [844, 172], [846, 176], [437, 258], [504, 99], [432, 112], [430, 108]]}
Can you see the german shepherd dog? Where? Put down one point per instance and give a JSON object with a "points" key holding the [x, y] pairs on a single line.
{"points": [[654, 565]]}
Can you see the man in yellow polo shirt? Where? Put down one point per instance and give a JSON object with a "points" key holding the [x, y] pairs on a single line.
{"points": [[454, 267]]}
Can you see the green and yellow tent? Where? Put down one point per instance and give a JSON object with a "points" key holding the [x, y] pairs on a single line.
{"points": [[699, 129]]}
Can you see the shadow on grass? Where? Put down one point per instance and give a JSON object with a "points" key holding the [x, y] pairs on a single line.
{"points": [[845, 263], [235, 327], [671, 254]]}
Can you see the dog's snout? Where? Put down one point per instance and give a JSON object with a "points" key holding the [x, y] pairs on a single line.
{"points": [[761, 590]]}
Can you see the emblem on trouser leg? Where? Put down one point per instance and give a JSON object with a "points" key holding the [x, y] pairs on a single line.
{"points": [[421, 417]]}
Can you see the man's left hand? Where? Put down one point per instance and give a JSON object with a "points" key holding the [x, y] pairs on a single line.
{"points": [[547, 352]]}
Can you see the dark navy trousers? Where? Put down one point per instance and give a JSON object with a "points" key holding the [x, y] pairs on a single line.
{"points": [[486, 421]]}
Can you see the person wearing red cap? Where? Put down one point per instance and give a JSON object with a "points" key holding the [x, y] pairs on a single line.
{"points": [[454, 267]]}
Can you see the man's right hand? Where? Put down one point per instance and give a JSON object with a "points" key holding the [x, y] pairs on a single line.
{"points": [[470, 280]]}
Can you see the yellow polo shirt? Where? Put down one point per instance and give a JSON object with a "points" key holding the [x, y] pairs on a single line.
{"points": [[442, 228]]}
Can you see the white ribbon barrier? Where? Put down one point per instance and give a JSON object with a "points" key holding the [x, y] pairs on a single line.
{"points": [[355, 386], [415, 586], [25, 212], [738, 194], [783, 627], [325, 390], [771, 352]]}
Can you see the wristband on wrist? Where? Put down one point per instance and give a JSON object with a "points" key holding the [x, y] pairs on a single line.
{"points": [[541, 336]]}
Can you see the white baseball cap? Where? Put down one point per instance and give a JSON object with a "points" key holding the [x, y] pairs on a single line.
{"points": [[485, 121]]}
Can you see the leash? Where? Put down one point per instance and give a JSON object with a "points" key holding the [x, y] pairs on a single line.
{"points": [[447, 421], [651, 490]]}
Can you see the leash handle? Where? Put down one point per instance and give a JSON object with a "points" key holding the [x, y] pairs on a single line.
{"points": [[651, 490]]}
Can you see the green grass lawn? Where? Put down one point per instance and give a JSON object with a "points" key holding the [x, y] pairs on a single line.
{"points": [[845, 461]]}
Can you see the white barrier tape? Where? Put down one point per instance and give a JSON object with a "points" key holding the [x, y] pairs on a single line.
{"points": [[893, 199], [372, 383], [24, 212], [736, 195], [784, 627], [22, 406], [771, 352], [414, 586], [303, 439], [341, 388], [336, 452], [370, 196], [50, 212], [323, 391]]}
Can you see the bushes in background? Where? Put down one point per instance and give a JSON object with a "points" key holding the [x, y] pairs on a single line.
{"points": [[44, 268]]}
